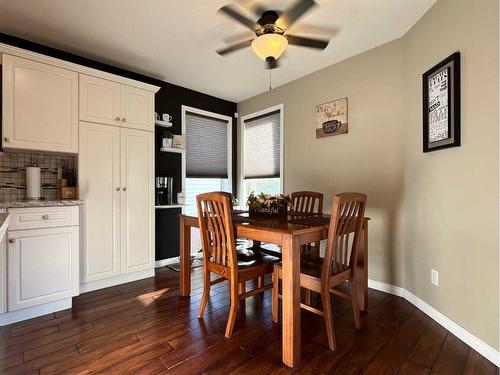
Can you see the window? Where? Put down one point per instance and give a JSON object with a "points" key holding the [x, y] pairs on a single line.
{"points": [[206, 146], [208, 158], [262, 152]]}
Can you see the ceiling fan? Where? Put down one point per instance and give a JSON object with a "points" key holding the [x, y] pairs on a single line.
{"points": [[271, 32]]}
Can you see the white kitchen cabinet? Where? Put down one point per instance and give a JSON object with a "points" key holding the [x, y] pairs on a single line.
{"points": [[137, 200], [40, 106], [99, 100], [137, 108], [116, 174], [3, 272], [42, 266], [42, 217], [99, 170], [110, 103]]}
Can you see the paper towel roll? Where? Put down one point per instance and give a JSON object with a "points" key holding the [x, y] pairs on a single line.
{"points": [[33, 186]]}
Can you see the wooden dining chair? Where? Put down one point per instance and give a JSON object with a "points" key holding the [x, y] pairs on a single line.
{"points": [[221, 257], [309, 202], [306, 202], [338, 265]]}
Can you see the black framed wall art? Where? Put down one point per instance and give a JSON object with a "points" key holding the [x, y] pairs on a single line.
{"points": [[441, 105]]}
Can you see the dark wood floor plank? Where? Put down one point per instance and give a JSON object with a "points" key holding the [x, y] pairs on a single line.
{"points": [[476, 364], [429, 345], [154, 367], [185, 348], [408, 367], [363, 352], [132, 361], [263, 363], [399, 345], [452, 357], [228, 363], [38, 345], [145, 327]]}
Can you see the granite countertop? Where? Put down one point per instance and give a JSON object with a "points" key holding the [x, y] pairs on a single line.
{"points": [[4, 223], [43, 203]]}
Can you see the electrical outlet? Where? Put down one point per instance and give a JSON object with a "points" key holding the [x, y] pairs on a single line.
{"points": [[434, 277]]}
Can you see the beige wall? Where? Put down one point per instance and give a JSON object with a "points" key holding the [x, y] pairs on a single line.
{"points": [[451, 196], [369, 158], [435, 210]]}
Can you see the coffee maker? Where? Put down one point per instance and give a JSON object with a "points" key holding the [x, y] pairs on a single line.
{"points": [[164, 191]]}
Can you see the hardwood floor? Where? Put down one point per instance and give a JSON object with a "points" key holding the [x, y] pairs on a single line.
{"points": [[144, 327]]}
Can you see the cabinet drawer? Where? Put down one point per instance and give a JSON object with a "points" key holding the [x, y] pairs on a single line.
{"points": [[43, 217]]}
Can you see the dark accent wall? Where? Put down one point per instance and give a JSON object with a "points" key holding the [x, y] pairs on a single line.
{"points": [[168, 99]]}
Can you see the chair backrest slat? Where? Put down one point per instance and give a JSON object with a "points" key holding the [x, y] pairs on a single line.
{"points": [[216, 228], [348, 211], [309, 202]]}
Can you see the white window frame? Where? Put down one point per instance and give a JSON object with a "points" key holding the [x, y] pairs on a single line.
{"points": [[184, 110], [280, 108]]}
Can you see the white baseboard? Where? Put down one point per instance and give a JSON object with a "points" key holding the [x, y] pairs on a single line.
{"points": [[112, 281], [164, 262], [478, 345], [34, 311]]}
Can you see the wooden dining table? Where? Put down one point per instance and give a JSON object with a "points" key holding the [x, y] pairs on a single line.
{"points": [[290, 233]]}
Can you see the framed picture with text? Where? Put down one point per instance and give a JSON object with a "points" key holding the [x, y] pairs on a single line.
{"points": [[441, 105]]}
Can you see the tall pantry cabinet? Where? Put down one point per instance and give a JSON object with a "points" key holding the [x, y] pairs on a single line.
{"points": [[116, 174]]}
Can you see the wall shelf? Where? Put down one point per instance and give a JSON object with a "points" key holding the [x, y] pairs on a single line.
{"points": [[164, 206], [163, 124], [172, 149]]}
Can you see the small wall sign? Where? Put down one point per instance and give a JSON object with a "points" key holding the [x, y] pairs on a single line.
{"points": [[331, 118], [441, 105]]}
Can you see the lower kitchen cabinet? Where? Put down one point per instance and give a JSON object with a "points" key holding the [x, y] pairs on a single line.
{"points": [[42, 266]]}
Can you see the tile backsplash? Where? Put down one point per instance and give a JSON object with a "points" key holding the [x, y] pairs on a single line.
{"points": [[13, 173]]}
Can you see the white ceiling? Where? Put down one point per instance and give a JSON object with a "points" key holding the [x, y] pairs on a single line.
{"points": [[175, 40]]}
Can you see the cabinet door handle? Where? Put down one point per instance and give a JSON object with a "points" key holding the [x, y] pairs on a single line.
{"points": [[117, 188], [117, 118], [45, 217], [12, 240], [124, 188], [123, 119], [7, 139]]}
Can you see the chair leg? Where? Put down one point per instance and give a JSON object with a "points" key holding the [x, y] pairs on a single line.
{"points": [[274, 304], [206, 293], [328, 316], [242, 288], [355, 303], [233, 310]]}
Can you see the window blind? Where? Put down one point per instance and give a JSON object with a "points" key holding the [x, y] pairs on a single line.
{"points": [[262, 146], [206, 146]]}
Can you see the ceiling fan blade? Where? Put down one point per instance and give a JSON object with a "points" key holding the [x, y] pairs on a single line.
{"points": [[296, 11], [234, 47], [307, 42], [234, 14]]}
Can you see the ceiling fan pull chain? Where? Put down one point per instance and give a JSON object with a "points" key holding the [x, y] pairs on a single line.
{"points": [[270, 87]]}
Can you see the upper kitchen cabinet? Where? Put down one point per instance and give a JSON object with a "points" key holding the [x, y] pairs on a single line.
{"points": [[137, 108], [40, 106], [107, 102], [99, 100]]}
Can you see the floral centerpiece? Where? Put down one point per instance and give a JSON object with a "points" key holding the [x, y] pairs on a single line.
{"points": [[268, 205]]}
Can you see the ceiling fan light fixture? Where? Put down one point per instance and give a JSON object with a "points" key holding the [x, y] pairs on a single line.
{"points": [[269, 45]]}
